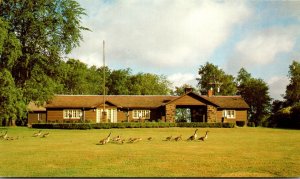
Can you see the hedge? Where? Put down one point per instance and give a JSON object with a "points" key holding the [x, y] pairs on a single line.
{"points": [[84, 126]]}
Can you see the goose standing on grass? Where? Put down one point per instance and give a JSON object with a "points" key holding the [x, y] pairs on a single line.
{"points": [[105, 140], [45, 135], [3, 136], [168, 138], [204, 137], [149, 138], [194, 136], [36, 134], [178, 138]]}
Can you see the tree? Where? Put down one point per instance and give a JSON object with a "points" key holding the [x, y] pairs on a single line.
{"points": [[44, 30], [119, 82], [11, 104], [256, 93], [211, 76], [149, 84], [292, 93]]}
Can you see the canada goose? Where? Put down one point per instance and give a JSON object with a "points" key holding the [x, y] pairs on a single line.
{"points": [[45, 135], [204, 137], [37, 133], [149, 138], [168, 138], [118, 138], [105, 140], [4, 136], [178, 138], [193, 137], [135, 140]]}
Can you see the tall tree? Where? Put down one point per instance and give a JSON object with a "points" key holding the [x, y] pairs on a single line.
{"points": [[211, 76], [256, 94], [292, 93], [149, 84], [119, 82], [46, 30]]}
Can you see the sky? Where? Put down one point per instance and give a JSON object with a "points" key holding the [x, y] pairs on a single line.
{"points": [[175, 38]]}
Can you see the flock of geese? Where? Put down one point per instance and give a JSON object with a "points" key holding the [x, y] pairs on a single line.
{"points": [[118, 139], [36, 134]]}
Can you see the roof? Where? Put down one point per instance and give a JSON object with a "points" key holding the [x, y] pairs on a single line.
{"points": [[236, 102], [141, 101], [33, 107], [121, 101]]}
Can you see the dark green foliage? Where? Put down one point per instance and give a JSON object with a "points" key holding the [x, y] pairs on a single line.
{"points": [[209, 74], [129, 125], [292, 94], [228, 125], [251, 124], [81, 126], [240, 123]]}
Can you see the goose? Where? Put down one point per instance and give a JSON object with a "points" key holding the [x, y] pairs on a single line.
{"points": [[4, 136], [193, 137], [37, 133], [168, 138], [105, 140], [149, 138], [204, 137], [45, 135], [178, 138]]}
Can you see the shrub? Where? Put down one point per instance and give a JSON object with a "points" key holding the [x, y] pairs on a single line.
{"points": [[228, 125], [240, 123], [81, 126], [251, 124]]}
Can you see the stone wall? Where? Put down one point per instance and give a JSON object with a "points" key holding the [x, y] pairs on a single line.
{"points": [[211, 113], [170, 112]]}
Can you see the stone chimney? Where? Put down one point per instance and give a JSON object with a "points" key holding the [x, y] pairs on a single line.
{"points": [[188, 90], [210, 92]]}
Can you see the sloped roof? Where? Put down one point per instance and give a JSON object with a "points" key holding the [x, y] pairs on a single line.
{"points": [[236, 102], [122, 101], [138, 101]]}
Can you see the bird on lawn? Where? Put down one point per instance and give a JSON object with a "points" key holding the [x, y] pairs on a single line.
{"points": [[4, 136], [194, 136], [168, 138], [135, 140], [36, 134], [149, 138], [204, 137], [45, 135], [105, 140], [178, 138]]}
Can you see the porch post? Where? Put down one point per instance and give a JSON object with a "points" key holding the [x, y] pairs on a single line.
{"points": [[211, 113]]}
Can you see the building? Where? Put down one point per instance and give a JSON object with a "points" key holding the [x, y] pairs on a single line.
{"points": [[141, 108]]}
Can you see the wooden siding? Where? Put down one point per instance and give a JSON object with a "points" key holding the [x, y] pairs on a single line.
{"points": [[90, 115], [54, 115], [240, 115], [36, 117]]}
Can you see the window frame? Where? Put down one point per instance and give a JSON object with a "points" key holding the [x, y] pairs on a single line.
{"points": [[141, 114], [229, 114], [75, 113]]}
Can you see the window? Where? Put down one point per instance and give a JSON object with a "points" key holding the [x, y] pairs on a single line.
{"points": [[72, 113], [230, 114], [141, 114]]}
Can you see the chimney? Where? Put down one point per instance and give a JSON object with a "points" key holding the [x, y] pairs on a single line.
{"points": [[210, 92], [188, 90]]}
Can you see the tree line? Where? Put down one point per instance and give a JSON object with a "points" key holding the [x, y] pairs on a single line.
{"points": [[35, 35]]}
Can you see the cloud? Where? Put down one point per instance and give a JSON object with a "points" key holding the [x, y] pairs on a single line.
{"points": [[179, 79], [263, 47], [277, 86], [164, 33]]}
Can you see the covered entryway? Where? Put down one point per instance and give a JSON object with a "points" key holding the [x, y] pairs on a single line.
{"points": [[191, 113]]}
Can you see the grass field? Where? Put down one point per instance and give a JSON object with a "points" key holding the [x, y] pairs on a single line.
{"points": [[245, 152]]}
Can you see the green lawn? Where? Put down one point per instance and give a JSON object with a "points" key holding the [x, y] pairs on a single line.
{"points": [[227, 152]]}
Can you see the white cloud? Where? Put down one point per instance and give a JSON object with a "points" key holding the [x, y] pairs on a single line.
{"points": [[262, 47], [165, 33], [277, 86], [179, 79]]}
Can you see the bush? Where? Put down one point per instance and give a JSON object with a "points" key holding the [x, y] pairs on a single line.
{"points": [[240, 123], [81, 126], [228, 125], [251, 124]]}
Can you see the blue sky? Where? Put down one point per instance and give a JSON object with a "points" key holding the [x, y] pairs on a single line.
{"points": [[175, 37]]}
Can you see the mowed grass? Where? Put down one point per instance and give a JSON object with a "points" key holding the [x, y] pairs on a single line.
{"points": [[245, 152]]}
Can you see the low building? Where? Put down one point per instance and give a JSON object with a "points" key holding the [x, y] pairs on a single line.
{"points": [[141, 108]]}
